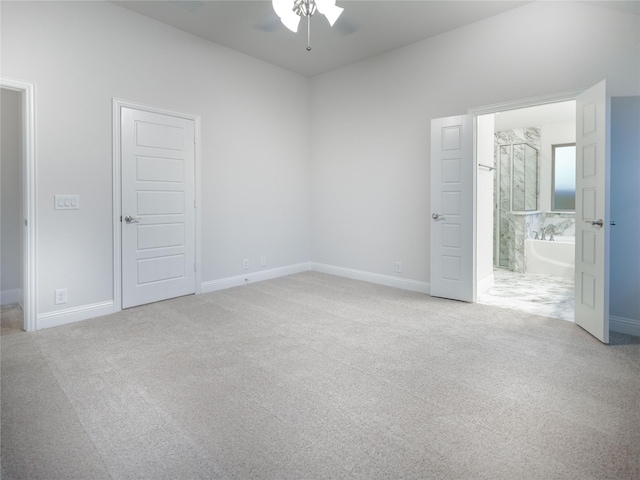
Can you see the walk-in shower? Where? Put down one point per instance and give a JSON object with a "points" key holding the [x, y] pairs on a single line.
{"points": [[516, 192]]}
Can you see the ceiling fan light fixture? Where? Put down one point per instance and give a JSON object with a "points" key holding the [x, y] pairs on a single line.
{"points": [[329, 9], [284, 10], [291, 11]]}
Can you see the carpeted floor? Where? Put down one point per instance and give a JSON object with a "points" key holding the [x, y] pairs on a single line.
{"points": [[313, 376]]}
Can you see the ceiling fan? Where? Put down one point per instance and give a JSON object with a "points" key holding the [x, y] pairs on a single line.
{"points": [[290, 12]]}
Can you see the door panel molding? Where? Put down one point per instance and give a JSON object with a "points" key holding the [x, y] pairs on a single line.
{"points": [[117, 106], [451, 223], [592, 211]]}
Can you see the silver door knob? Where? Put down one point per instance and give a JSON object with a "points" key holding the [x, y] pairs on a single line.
{"points": [[435, 216], [130, 219], [598, 223]]}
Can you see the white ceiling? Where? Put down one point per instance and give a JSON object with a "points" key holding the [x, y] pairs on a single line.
{"points": [[381, 26]]}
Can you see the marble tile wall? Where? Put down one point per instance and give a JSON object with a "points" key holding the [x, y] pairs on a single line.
{"points": [[509, 231], [521, 227], [518, 191], [532, 181], [564, 223]]}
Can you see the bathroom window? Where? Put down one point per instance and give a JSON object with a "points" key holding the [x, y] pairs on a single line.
{"points": [[563, 186]]}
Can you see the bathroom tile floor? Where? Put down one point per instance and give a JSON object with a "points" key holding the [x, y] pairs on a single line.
{"points": [[11, 319], [539, 294]]}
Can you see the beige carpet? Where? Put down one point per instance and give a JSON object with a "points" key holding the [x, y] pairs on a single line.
{"points": [[313, 376]]}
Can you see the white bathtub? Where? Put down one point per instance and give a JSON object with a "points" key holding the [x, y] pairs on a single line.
{"points": [[551, 258]]}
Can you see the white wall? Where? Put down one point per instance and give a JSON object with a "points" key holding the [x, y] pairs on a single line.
{"points": [[370, 121], [11, 192], [255, 139], [625, 210]]}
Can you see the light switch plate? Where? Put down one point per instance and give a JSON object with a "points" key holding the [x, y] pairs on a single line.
{"points": [[66, 202]]}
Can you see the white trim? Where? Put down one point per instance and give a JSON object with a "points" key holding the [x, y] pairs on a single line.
{"points": [[118, 104], [525, 103], [377, 278], [629, 326], [76, 314], [238, 280], [29, 196], [7, 297]]}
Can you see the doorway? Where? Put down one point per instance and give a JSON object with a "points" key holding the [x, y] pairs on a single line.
{"points": [[18, 206], [531, 242], [11, 175]]}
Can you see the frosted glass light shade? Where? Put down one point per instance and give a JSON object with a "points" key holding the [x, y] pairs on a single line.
{"points": [[284, 10]]}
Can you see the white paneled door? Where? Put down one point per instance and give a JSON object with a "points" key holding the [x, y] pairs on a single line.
{"points": [[451, 253], [592, 211], [158, 206]]}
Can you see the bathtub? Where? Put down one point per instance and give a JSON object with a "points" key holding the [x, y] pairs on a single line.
{"points": [[555, 258]]}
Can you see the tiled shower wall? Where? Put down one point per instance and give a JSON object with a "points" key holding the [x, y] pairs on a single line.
{"points": [[511, 230]]}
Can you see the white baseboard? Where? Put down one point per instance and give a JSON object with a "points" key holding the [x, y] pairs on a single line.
{"points": [[378, 278], [75, 314], [7, 297], [238, 280], [624, 325]]}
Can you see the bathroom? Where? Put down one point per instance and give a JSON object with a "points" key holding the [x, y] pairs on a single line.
{"points": [[532, 174]]}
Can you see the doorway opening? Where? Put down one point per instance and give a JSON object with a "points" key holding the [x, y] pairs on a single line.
{"points": [[526, 241], [11, 175], [18, 206]]}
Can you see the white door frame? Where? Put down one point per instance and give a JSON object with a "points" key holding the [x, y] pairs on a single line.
{"points": [[29, 197], [118, 104], [501, 107]]}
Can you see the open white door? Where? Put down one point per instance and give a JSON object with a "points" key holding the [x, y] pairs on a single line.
{"points": [[158, 202], [592, 211], [451, 252]]}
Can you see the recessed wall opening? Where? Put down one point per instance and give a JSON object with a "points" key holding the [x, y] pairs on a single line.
{"points": [[11, 246], [526, 231]]}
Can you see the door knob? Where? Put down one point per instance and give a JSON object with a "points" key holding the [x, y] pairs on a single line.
{"points": [[598, 223], [435, 216], [130, 219]]}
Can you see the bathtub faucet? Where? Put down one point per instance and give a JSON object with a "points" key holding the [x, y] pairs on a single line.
{"points": [[550, 229]]}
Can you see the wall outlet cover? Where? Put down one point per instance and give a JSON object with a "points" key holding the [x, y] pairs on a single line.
{"points": [[61, 296]]}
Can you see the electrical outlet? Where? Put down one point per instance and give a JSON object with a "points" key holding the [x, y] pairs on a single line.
{"points": [[245, 263], [61, 296], [398, 267], [263, 261]]}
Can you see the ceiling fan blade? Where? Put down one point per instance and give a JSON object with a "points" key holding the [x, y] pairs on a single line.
{"points": [[269, 23], [346, 25]]}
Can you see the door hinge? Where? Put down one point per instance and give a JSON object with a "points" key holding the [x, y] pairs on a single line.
{"points": [[194, 203], [26, 222], [194, 267], [120, 218]]}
